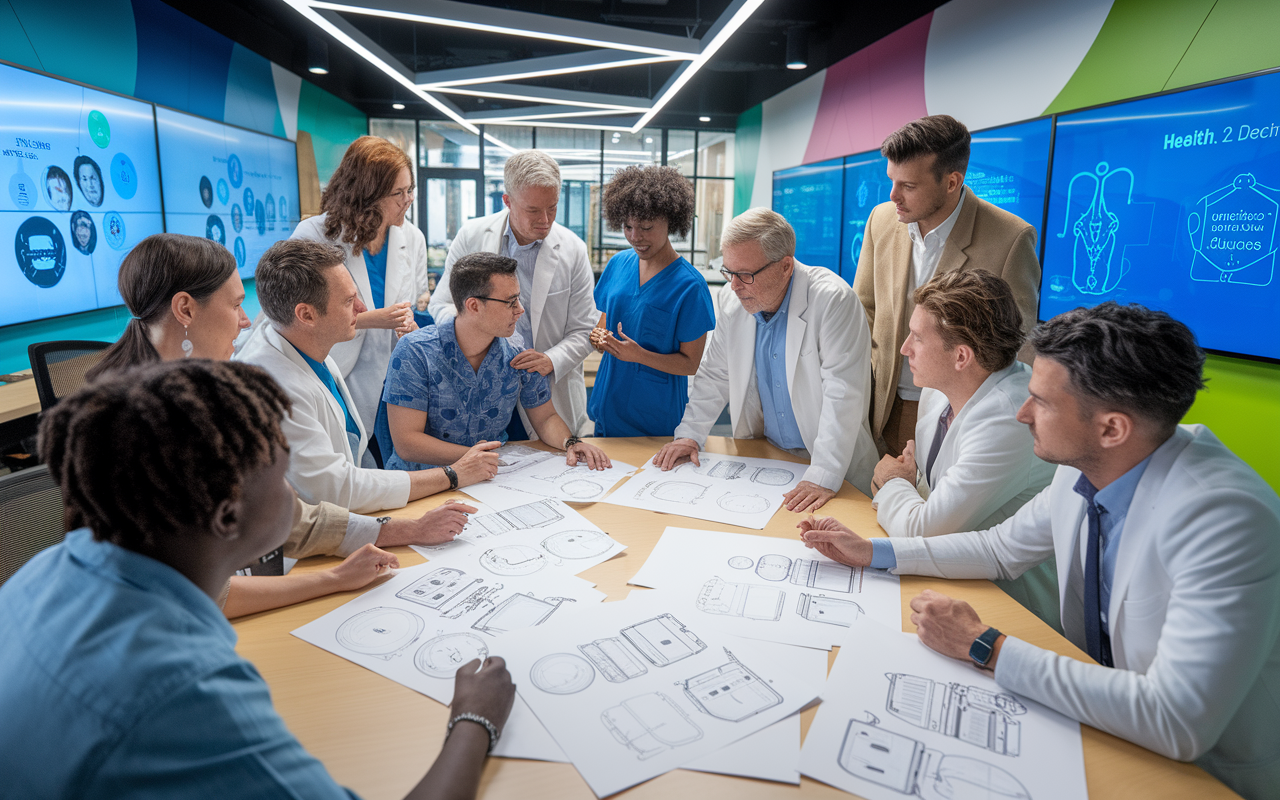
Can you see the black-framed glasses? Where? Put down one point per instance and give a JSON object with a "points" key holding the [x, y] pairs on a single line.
{"points": [[747, 278], [511, 304]]}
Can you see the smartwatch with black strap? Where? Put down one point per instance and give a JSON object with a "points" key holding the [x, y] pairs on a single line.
{"points": [[984, 647]]}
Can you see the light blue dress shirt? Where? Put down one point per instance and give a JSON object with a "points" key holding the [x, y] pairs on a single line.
{"points": [[119, 679], [780, 426], [526, 256]]}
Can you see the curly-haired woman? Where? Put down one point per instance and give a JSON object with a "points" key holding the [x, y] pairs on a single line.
{"points": [[656, 307], [364, 207]]}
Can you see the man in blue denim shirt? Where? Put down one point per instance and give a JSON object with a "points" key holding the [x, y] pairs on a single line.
{"points": [[451, 386]]}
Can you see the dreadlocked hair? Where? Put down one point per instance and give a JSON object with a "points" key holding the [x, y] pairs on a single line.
{"points": [[152, 451]]}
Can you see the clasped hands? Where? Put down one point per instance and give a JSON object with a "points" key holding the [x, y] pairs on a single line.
{"points": [[904, 466], [621, 347]]}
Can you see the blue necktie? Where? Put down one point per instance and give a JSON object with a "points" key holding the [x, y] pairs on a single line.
{"points": [[1097, 641], [944, 424]]}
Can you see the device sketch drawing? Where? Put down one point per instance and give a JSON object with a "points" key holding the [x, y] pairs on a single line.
{"points": [[438, 587], [515, 457], [513, 559], [731, 692], [743, 503], [673, 491], [1243, 253], [971, 714], [577, 544], [440, 657], [661, 641], [823, 575], [562, 673], [650, 724], [831, 610], [530, 515], [381, 632], [520, 610], [741, 600]]}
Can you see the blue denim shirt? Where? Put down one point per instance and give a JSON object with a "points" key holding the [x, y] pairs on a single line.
{"points": [[780, 426], [119, 679]]}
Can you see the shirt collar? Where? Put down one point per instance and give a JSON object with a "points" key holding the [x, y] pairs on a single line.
{"points": [[1115, 497], [510, 243], [943, 230], [782, 309]]}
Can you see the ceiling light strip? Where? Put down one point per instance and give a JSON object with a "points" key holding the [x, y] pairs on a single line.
{"points": [[534, 114], [544, 73], [535, 98]]}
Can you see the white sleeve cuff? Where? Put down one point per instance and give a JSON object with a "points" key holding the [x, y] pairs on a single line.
{"points": [[361, 530]]}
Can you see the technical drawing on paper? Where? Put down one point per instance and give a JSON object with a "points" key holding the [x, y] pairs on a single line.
{"points": [[577, 544], [562, 673], [481, 597], [572, 484], [530, 515], [1244, 251], [1097, 226], [741, 600], [731, 692], [520, 610], [440, 657], [740, 562], [773, 476], [673, 491], [616, 662], [513, 559], [831, 610], [726, 470], [438, 587], [743, 503], [650, 724], [515, 457], [906, 765], [381, 632], [971, 714], [827, 576], [662, 640]]}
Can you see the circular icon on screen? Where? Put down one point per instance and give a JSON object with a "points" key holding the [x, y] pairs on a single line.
{"points": [[206, 192], [237, 219], [57, 188], [123, 176], [271, 213], [113, 230], [235, 173], [22, 190], [99, 129], [224, 194], [284, 213], [41, 252], [240, 252], [214, 229], [84, 236], [260, 216], [248, 199]]}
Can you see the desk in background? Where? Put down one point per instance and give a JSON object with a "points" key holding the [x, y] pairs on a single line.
{"points": [[19, 405], [378, 737]]}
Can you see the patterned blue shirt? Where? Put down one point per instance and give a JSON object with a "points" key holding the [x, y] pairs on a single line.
{"points": [[780, 426], [119, 679], [428, 372]]}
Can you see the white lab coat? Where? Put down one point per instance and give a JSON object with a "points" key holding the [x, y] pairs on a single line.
{"points": [[322, 463], [364, 359], [1194, 623], [985, 471], [828, 378], [562, 308]]}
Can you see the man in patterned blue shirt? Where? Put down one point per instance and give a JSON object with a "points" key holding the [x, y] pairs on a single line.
{"points": [[451, 386]]}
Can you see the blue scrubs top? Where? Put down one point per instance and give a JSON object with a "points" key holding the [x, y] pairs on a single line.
{"points": [[672, 307], [376, 266]]}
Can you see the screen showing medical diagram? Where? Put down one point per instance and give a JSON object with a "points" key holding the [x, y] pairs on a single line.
{"points": [[237, 187], [809, 197], [865, 186], [82, 188], [1008, 167], [1172, 202]]}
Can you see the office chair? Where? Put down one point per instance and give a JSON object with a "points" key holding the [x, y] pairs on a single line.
{"points": [[59, 367], [31, 507]]}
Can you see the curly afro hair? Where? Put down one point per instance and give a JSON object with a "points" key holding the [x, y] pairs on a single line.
{"points": [[644, 193]]}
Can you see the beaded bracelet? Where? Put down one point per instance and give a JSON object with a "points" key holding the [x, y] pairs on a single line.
{"points": [[479, 720]]}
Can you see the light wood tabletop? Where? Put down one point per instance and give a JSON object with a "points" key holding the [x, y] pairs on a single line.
{"points": [[378, 737], [18, 399]]}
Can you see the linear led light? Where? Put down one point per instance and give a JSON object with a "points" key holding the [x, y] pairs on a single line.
{"points": [[533, 98], [302, 7], [543, 73], [480, 26], [578, 125], [488, 137], [516, 118], [684, 75]]}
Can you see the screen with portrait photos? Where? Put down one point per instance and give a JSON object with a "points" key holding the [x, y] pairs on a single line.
{"points": [[235, 186], [81, 188]]}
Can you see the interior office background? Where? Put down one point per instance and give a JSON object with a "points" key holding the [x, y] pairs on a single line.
{"points": [[987, 62]]}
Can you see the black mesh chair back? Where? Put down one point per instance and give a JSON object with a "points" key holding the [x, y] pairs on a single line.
{"points": [[59, 367], [30, 517]]}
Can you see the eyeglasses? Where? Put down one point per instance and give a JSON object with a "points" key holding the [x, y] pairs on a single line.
{"points": [[747, 278], [404, 195], [511, 304]]}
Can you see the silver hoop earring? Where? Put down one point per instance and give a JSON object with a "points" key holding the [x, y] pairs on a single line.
{"points": [[187, 346]]}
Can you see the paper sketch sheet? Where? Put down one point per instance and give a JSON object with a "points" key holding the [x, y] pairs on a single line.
{"points": [[516, 534], [899, 720], [736, 490], [428, 620], [547, 475], [764, 587], [629, 691]]}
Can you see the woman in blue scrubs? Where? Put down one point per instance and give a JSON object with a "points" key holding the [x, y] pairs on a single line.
{"points": [[656, 307]]}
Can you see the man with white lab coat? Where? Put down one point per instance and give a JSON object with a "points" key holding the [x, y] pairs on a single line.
{"points": [[971, 464], [791, 355], [1167, 554], [556, 284], [312, 304]]}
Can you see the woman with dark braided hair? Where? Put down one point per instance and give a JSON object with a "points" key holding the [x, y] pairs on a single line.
{"points": [[118, 675], [656, 307], [185, 297]]}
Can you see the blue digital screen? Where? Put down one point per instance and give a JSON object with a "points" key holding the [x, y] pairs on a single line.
{"points": [[809, 198], [228, 184], [1172, 202], [1008, 167], [865, 186], [79, 170]]}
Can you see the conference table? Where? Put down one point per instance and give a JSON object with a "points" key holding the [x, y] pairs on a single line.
{"points": [[378, 737]]}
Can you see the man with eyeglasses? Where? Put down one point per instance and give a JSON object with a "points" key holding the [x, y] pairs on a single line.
{"points": [[452, 386], [792, 358]]}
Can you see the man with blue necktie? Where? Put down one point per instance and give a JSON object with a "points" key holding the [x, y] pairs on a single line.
{"points": [[1167, 547]]}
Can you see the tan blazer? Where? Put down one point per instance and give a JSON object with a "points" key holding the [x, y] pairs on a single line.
{"points": [[984, 237]]}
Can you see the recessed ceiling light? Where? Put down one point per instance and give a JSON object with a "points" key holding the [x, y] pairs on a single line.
{"points": [[648, 140], [317, 56], [704, 119], [398, 106]]}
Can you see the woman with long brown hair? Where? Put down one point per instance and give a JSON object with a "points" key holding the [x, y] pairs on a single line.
{"points": [[364, 213]]}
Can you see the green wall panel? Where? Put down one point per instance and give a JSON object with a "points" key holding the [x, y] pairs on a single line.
{"points": [[746, 155], [1241, 404], [1239, 36], [14, 44], [332, 123], [94, 43]]}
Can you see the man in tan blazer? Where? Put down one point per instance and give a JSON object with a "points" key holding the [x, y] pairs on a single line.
{"points": [[932, 224]]}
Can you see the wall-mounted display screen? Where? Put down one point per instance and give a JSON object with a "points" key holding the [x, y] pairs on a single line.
{"points": [[1172, 202], [237, 187], [80, 190], [809, 197], [865, 186], [1008, 167]]}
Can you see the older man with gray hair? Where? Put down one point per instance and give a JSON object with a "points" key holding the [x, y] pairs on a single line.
{"points": [[792, 358], [556, 284]]}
